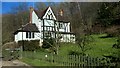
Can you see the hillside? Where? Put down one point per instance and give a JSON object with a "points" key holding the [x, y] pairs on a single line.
{"points": [[100, 48]]}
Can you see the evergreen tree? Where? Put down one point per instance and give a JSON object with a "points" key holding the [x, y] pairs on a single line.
{"points": [[109, 14]]}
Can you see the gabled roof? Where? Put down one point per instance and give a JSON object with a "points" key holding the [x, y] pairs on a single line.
{"points": [[63, 19], [28, 28], [59, 17], [49, 9], [40, 14]]}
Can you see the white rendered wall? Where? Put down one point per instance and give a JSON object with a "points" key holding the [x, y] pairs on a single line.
{"points": [[19, 36], [48, 22], [67, 38], [66, 27], [37, 21], [22, 36], [62, 30]]}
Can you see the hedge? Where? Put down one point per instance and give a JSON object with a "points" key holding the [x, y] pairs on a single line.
{"points": [[29, 45]]}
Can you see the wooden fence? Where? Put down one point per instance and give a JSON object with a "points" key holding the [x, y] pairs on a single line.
{"points": [[70, 60]]}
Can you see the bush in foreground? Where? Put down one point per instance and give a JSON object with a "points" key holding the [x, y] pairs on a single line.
{"points": [[29, 45]]}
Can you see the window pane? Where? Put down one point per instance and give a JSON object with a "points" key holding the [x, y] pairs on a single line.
{"points": [[33, 35], [60, 25], [26, 34], [29, 34]]}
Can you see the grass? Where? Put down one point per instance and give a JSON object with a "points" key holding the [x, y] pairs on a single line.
{"points": [[66, 48], [99, 47], [36, 62]]}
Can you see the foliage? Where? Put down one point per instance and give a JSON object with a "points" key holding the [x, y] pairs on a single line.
{"points": [[65, 49], [113, 31], [107, 18], [29, 45], [96, 48], [117, 45], [10, 54], [118, 41], [14, 20], [48, 42], [84, 42], [8, 28], [74, 53], [10, 45], [109, 13], [116, 55]]}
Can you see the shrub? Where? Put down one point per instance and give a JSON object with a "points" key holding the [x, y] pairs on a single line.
{"points": [[29, 45], [74, 53], [11, 45], [48, 42], [113, 31], [117, 45]]}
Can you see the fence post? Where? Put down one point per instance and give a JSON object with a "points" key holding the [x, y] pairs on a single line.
{"points": [[21, 51], [79, 61], [97, 61], [83, 61], [70, 60], [67, 61]]}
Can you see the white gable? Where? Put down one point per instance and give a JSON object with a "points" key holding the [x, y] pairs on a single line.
{"points": [[49, 14]]}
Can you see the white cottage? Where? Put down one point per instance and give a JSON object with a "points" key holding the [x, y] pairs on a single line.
{"points": [[43, 25]]}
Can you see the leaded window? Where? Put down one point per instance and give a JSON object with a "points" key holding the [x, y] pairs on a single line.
{"points": [[30, 35]]}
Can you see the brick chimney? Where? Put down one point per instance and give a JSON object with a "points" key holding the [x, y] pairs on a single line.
{"points": [[31, 10], [61, 12]]}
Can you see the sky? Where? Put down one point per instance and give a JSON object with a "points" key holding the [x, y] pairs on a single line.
{"points": [[8, 6]]}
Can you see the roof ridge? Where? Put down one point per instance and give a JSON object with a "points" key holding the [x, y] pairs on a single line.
{"points": [[40, 14]]}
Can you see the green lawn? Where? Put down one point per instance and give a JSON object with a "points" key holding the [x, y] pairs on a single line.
{"points": [[99, 47], [66, 48], [36, 62], [102, 46]]}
